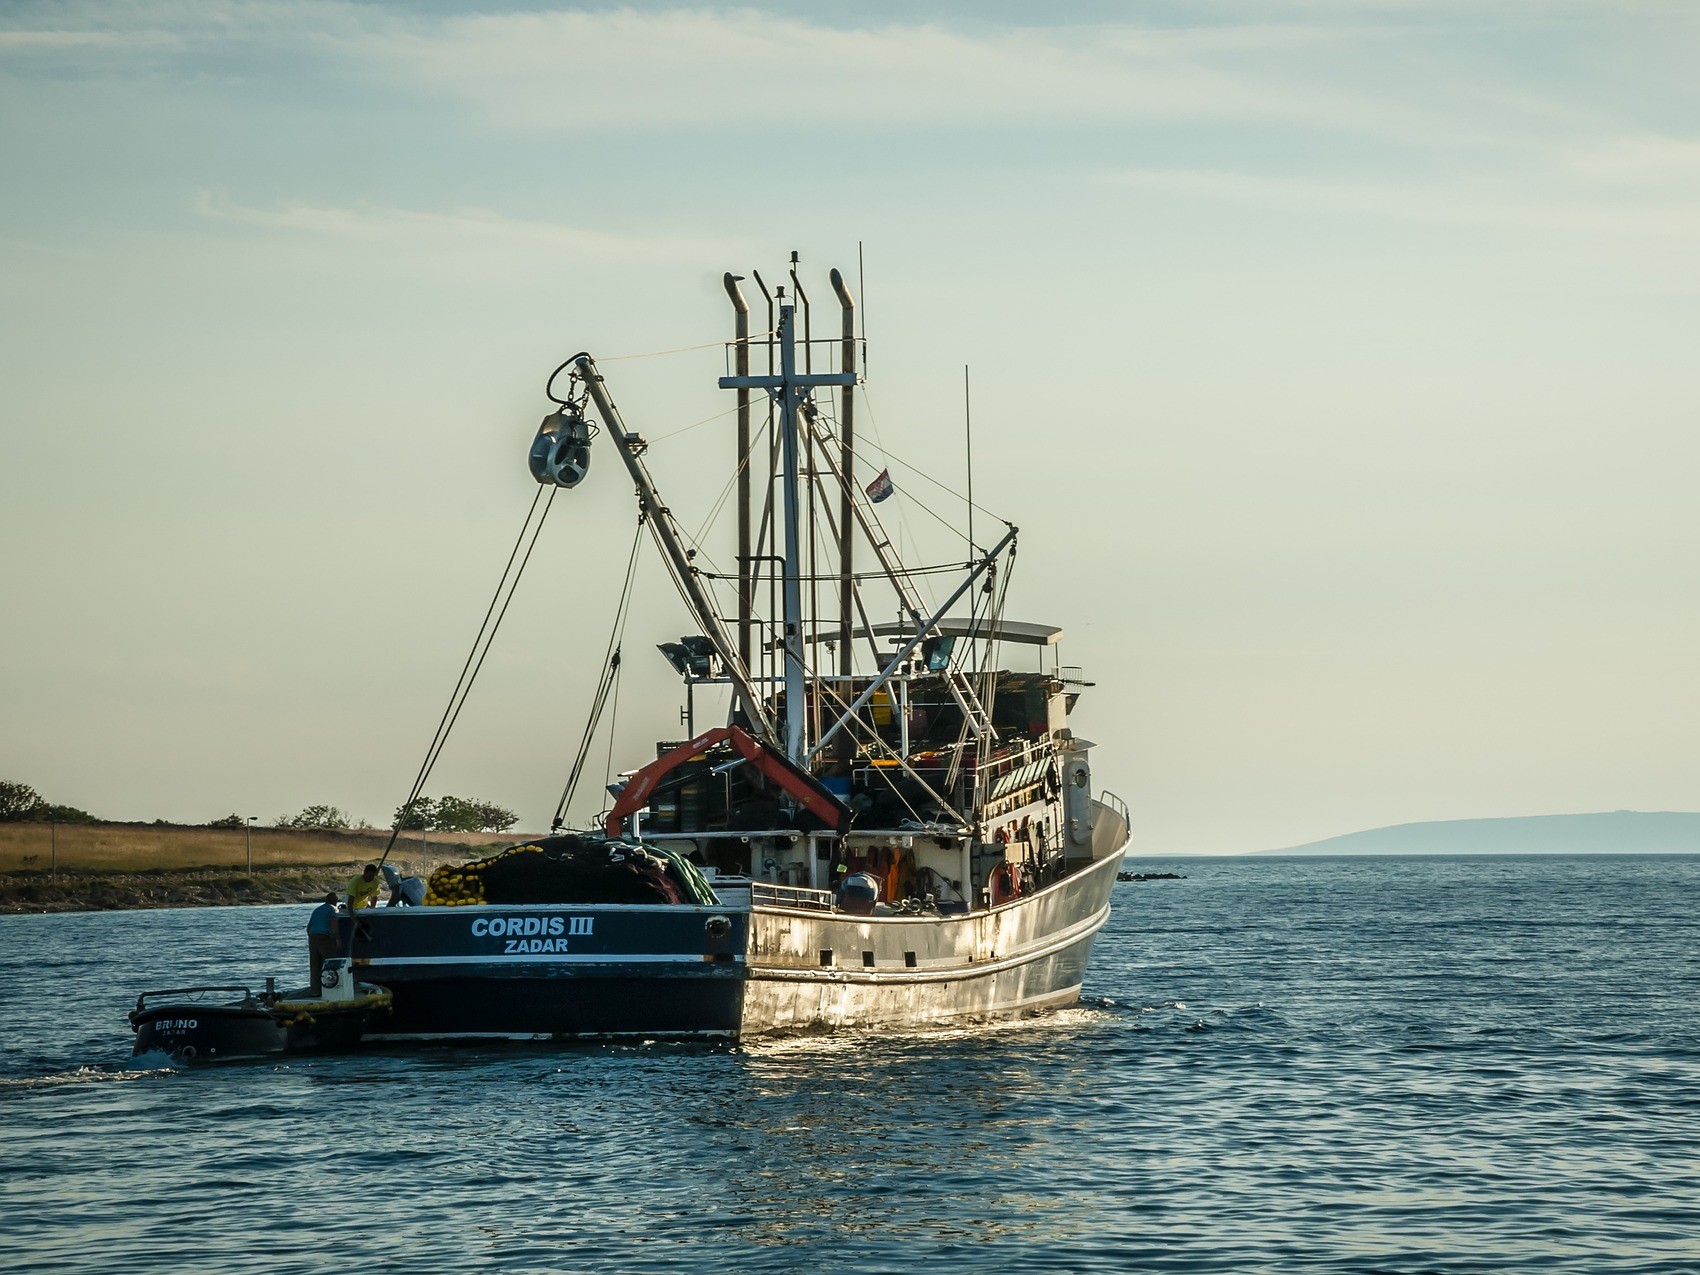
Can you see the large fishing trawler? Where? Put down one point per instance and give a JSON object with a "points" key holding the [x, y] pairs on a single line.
{"points": [[891, 822]]}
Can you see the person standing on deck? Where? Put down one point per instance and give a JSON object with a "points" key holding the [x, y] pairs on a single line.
{"points": [[322, 942], [363, 889]]}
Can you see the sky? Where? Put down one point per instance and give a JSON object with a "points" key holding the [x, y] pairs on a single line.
{"points": [[1336, 359]]}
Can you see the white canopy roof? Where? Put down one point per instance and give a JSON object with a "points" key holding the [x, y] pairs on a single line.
{"points": [[1008, 631]]}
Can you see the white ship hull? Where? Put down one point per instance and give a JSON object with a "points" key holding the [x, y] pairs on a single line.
{"points": [[807, 971]]}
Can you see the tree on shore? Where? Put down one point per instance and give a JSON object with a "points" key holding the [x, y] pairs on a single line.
{"points": [[316, 817], [416, 815], [463, 814], [50, 813], [454, 814], [19, 803], [494, 818]]}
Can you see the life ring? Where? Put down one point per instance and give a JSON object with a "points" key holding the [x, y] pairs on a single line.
{"points": [[1004, 884]]}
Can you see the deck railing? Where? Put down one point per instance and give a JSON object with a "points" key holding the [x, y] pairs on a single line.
{"points": [[1116, 804], [790, 896]]}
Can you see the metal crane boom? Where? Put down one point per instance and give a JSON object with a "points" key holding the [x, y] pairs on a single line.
{"points": [[666, 534]]}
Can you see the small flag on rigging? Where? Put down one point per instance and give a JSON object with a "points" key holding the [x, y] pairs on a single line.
{"points": [[881, 487]]}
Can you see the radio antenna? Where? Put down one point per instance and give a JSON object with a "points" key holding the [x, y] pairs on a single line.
{"points": [[862, 299], [968, 429]]}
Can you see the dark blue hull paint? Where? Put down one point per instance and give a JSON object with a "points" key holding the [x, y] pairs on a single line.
{"points": [[541, 1002], [200, 1033], [548, 970]]}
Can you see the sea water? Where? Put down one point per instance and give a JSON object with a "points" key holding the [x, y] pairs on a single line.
{"points": [[1279, 1064]]}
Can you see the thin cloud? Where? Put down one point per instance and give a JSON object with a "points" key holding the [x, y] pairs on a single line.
{"points": [[51, 41], [718, 70], [1676, 219], [185, 26], [413, 231], [1641, 161], [711, 71]]}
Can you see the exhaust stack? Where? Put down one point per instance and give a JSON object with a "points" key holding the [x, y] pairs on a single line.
{"points": [[746, 568], [846, 466]]}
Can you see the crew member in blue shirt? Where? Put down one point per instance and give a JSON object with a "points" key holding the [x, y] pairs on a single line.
{"points": [[404, 891], [322, 935]]}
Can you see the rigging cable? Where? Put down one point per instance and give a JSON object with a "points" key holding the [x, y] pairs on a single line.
{"points": [[609, 682], [475, 657], [683, 349], [726, 491], [914, 468], [954, 670], [685, 429], [989, 652], [877, 742], [613, 723], [912, 498], [855, 486], [549, 385]]}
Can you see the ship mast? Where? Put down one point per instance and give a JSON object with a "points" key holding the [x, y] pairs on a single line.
{"points": [[790, 389], [847, 497]]}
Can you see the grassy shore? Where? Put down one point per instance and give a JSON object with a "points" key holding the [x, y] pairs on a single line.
{"points": [[99, 866], [141, 847], [78, 891]]}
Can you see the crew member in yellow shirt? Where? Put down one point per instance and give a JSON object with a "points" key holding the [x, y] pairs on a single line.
{"points": [[363, 889]]}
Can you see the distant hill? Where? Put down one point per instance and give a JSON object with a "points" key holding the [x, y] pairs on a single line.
{"points": [[1613, 832]]}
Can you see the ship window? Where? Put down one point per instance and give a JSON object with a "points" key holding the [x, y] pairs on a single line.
{"points": [[826, 956], [868, 960]]}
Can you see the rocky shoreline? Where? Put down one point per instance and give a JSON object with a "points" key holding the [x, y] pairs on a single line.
{"points": [[83, 891]]}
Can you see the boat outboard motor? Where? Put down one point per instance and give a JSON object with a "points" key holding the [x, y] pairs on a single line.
{"points": [[337, 978], [560, 454]]}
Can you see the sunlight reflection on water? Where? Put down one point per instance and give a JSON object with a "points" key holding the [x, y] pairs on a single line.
{"points": [[1278, 1065]]}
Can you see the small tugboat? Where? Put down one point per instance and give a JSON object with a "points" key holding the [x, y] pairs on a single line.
{"points": [[887, 820], [215, 1024]]}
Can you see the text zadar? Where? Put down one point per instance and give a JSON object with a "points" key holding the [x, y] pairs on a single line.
{"points": [[527, 934]]}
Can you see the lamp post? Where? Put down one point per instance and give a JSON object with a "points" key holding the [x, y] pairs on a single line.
{"points": [[248, 837]]}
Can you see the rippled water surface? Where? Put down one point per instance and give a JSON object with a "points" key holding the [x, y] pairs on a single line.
{"points": [[1280, 1065]]}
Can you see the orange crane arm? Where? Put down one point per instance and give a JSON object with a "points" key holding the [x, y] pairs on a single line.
{"points": [[780, 771]]}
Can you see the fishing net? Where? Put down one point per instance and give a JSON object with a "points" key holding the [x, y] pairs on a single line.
{"points": [[572, 870]]}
